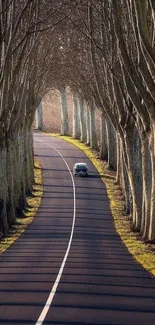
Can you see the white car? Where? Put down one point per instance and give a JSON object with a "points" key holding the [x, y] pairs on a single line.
{"points": [[80, 169]]}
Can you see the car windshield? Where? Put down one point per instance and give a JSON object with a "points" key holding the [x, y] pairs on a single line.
{"points": [[81, 167]]}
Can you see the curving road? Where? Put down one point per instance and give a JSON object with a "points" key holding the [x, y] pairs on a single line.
{"points": [[70, 267]]}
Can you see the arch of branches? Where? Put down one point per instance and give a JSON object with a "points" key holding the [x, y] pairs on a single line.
{"points": [[105, 52]]}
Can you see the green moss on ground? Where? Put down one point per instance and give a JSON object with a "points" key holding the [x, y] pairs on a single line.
{"points": [[29, 214], [142, 252]]}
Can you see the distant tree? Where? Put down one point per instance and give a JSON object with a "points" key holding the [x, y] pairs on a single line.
{"points": [[39, 117], [64, 112]]}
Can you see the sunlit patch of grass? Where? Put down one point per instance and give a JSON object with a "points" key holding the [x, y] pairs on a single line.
{"points": [[144, 253], [29, 213]]}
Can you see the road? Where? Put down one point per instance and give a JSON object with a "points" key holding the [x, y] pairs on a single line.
{"points": [[70, 266]]}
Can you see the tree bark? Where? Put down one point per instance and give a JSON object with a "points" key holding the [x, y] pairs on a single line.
{"points": [[39, 117], [87, 125], [76, 118], [152, 212], [112, 147], [92, 121], [103, 139], [82, 118], [64, 112], [147, 180]]}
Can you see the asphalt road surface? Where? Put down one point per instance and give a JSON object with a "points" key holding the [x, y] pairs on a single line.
{"points": [[70, 267]]}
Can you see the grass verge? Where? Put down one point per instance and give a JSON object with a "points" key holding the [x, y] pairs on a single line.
{"points": [[142, 252], [28, 214]]}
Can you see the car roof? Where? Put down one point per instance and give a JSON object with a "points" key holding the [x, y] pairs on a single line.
{"points": [[81, 164]]}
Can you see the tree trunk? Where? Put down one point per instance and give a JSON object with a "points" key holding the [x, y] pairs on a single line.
{"points": [[152, 212], [92, 121], [112, 146], [64, 112], [4, 226], [103, 139], [22, 201], [28, 153], [147, 180], [126, 187], [39, 117], [87, 125], [76, 117], [133, 170], [11, 174], [82, 119]]}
